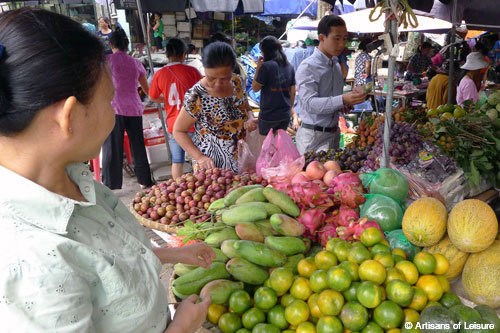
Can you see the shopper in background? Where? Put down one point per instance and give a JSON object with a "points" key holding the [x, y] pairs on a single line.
{"points": [[275, 78], [362, 65], [218, 108], [468, 89], [496, 50], [126, 73], [74, 259], [421, 60], [320, 84], [158, 32], [194, 59], [169, 86], [481, 48], [105, 33]]}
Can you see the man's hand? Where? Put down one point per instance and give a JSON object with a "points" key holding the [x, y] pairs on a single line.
{"points": [[198, 254], [190, 315], [354, 97], [296, 122]]}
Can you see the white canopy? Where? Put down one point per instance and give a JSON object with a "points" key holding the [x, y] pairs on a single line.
{"points": [[359, 22]]}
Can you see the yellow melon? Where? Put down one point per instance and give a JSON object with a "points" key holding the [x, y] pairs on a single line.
{"points": [[455, 257], [424, 222], [481, 276], [472, 225]]}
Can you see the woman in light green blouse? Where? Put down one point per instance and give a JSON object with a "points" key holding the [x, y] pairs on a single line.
{"points": [[73, 258]]}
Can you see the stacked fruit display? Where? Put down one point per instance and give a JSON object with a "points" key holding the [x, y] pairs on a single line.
{"points": [[466, 237], [189, 196], [358, 287]]}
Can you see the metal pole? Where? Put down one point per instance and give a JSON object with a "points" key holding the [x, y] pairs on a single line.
{"points": [[150, 61], [190, 24], [233, 42], [452, 52], [384, 162]]}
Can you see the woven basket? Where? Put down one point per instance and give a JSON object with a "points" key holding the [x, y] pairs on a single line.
{"points": [[152, 224], [173, 298]]}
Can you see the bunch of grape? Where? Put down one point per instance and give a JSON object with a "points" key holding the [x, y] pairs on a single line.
{"points": [[321, 156], [405, 144]]}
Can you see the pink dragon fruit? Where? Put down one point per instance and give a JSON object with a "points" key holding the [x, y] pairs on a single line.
{"points": [[348, 189], [347, 215], [326, 232], [362, 224], [346, 233], [333, 218], [312, 219]]}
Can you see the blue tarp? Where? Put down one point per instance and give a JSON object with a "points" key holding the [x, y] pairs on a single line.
{"points": [[287, 7]]}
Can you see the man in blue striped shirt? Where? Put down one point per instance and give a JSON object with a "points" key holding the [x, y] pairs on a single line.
{"points": [[320, 86]]}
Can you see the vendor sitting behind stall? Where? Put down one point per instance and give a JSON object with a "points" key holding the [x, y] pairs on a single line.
{"points": [[218, 108], [437, 92], [468, 89], [421, 60]]}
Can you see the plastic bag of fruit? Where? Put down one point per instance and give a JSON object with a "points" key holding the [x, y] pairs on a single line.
{"points": [[388, 182], [248, 151], [278, 153], [386, 211], [397, 239]]}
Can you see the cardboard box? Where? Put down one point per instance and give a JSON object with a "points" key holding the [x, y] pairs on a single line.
{"points": [[180, 16], [170, 31], [183, 26], [168, 19], [191, 15], [206, 31], [198, 43], [198, 32], [219, 16], [183, 35]]}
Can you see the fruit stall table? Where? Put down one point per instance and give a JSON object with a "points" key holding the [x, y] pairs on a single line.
{"points": [[402, 95]]}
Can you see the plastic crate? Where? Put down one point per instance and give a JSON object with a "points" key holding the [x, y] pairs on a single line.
{"points": [[156, 150]]}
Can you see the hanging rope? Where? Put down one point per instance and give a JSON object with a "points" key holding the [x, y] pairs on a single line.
{"points": [[401, 12]]}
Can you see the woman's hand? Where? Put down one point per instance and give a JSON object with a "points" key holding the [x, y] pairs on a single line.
{"points": [[251, 125], [295, 122], [205, 162], [198, 254], [190, 315], [260, 61]]}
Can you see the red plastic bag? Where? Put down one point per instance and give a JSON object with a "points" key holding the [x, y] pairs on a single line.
{"points": [[279, 156], [248, 152]]}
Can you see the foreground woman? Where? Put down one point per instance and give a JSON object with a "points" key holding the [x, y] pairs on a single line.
{"points": [[73, 258]]}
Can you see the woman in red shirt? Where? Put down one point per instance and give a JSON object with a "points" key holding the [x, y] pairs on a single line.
{"points": [[169, 86]]}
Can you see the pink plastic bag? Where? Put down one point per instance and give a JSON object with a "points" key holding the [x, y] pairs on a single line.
{"points": [[248, 152], [278, 155]]}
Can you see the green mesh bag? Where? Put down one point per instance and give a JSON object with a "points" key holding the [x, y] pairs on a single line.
{"points": [[398, 240], [388, 182], [384, 210]]}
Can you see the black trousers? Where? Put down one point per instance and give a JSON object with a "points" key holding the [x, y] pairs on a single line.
{"points": [[112, 153]]}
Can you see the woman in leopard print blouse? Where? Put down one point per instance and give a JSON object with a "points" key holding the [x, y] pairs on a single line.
{"points": [[218, 109]]}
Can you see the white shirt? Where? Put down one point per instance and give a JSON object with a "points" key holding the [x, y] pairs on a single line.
{"points": [[69, 266]]}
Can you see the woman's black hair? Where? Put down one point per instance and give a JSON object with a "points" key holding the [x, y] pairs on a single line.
{"points": [[219, 37], [191, 48], [364, 43], [119, 40], [330, 21], [176, 47], [218, 54], [480, 47], [47, 58], [157, 13], [272, 50]]}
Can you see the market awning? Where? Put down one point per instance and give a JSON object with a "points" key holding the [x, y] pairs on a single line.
{"points": [[228, 6], [290, 8], [359, 22], [477, 14]]}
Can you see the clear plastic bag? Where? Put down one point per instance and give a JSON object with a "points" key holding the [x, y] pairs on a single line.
{"points": [[386, 211], [397, 239], [248, 152], [388, 182], [279, 153]]}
